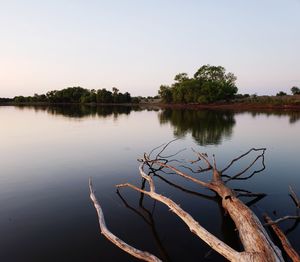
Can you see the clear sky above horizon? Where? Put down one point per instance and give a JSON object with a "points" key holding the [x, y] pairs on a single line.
{"points": [[138, 45]]}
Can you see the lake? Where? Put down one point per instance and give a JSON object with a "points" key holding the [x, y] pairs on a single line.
{"points": [[48, 154]]}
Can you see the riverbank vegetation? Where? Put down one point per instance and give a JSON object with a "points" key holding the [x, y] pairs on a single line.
{"points": [[211, 86], [77, 95], [5, 100], [269, 101]]}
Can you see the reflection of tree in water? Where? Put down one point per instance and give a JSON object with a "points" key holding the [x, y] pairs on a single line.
{"points": [[293, 116], [81, 111], [206, 127]]}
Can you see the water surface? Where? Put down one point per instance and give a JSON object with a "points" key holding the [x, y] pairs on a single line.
{"points": [[48, 153]]}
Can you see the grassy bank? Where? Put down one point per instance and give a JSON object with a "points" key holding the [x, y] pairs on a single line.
{"points": [[253, 102]]}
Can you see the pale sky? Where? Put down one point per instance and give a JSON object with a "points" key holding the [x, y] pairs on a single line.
{"points": [[137, 45]]}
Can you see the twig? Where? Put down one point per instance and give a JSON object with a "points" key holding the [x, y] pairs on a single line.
{"points": [[281, 220], [202, 156], [294, 197], [166, 145], [241, 156], [237, 176], [175, 154]]}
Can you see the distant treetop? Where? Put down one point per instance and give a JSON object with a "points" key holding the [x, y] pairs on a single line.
{"points": [[295, 90]]}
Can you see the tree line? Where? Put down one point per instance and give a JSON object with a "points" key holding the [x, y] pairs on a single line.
{"points": [[78, 95], [5, 100], [294, 90], [209, 84]]}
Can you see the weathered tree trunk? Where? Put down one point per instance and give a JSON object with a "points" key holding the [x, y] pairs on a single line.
{"points": [[257, 244]]}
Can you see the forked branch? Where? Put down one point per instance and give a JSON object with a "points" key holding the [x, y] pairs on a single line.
{"points": [[283, 239], [193, 225]]}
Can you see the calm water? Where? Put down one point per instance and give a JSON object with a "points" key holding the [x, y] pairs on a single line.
{"points": [[48, 154]]}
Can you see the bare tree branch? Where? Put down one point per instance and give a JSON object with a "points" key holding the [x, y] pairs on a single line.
{"points": [[253, 236], [237, 176], [194, 226], [284, 241], [294, 197], [203, 156], [164, 148], [256, 243], [177, 171], [281, 220], [143, 255], [241, 156]]}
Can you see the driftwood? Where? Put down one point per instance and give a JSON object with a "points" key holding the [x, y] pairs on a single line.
{"points": [[114, 239], [256, 243], [290, 251]]}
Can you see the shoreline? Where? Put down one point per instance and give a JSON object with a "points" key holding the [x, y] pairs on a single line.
{"points": [[229, 106], [215, 106]]}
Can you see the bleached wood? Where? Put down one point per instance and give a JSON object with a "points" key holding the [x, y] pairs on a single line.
{"points": [[256, 242], [193, 225], [284, 241], [143, 255]]}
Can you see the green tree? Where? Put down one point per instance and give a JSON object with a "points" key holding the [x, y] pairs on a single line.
{"points": [[19, 99], [115, 94], [181, 77], [281, 93], [217, 84], [209, 84], [165, 93], [104, 96], [295, 90]]}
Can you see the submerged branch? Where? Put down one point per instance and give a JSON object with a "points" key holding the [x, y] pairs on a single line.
{"points": [[283, 239], [193, 225], [294, 197], [143, 255], [282, 219]]}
